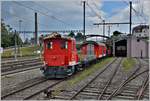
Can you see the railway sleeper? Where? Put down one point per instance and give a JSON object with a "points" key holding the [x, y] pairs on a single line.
{"points": [[127, 93], [105, 95], [61, 97], [64, 95], [113, 86], [98, 89]]}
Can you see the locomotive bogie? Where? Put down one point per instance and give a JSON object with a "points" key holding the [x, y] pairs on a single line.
{"points": [[58, 72]]}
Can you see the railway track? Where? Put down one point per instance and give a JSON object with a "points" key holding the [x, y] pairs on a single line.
{"points": [[80, 90], [107, 81], [29, 89], [103, 90], [20, 70], [6, 60], [142, 88], [108, 89], [10, 68], [122, 86], [12, 63], [17, 61]]}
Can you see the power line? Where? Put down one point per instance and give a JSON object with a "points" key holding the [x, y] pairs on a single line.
{"points": [[40, 6], [27, 19], [94, 11], [53, 17], [139, 14], [114, 23], [47, 10], [136, 12]]}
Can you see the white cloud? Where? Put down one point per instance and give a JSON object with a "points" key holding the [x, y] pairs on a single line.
{"points": [[123, 15], [71, 12]]}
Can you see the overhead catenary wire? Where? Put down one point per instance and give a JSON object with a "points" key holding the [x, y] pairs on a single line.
{"points": [[41, 6], [48, 10], [94, 11], [35, 10], [26, 19], [136, 12]]}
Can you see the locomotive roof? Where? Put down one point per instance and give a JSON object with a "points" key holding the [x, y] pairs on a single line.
{"points": [[57, 35], [93, 42]]}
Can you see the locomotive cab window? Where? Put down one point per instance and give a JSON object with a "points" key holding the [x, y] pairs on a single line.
{"points": [[64, 45], [50, 45]]}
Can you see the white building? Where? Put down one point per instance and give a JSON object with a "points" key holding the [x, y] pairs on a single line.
{"points": [[141, 31], [137, 47]]}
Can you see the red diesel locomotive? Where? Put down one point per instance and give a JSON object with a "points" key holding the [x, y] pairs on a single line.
{"points": [[61, 58]]}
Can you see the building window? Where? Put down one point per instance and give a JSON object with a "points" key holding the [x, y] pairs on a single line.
{"points": [[49, 45], [64, 45]]}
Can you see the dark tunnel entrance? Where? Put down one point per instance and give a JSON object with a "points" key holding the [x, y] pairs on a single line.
{"points": [[121, 48]]}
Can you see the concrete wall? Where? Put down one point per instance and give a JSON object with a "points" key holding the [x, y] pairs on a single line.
{"points": [[137, 48]]}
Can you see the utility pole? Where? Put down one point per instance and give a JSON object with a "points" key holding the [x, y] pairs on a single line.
{"points": [[24, 35], [103, 29], [15, 53], [109, 31], [130, 16], [113, 46], [18, 36], [84, 19], [130, 24], [36, 29]]}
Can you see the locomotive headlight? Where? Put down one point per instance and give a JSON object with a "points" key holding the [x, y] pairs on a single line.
{"points": [[72, 63]]}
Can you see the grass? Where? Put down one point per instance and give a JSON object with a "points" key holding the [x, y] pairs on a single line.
{"points": [[128, 63], [82, 75], [24, 51]]}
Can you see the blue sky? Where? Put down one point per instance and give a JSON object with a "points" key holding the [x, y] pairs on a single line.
{"points": [[111, 7], [67, 14]]}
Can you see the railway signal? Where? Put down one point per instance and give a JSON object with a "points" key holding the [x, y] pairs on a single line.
{"points": [[84, 19]]}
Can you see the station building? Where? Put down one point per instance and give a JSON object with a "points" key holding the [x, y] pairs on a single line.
{"points": [[137, 47]]}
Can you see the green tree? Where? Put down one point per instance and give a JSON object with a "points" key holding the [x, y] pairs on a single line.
{"points": [[79, 36], [116, 33], [71, 34], [26, 41], [7, 37]]}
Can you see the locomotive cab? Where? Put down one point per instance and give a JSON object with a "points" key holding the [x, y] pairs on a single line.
{"points": [[60, 56]]}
